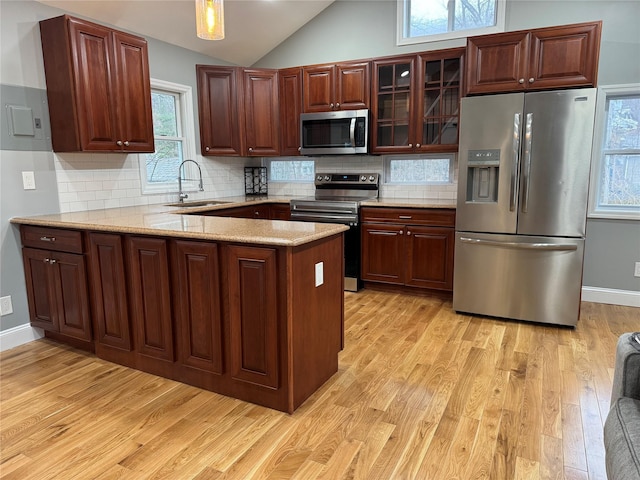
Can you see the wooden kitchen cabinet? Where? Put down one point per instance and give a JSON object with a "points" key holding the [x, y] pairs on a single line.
{"points": [[416, 102], [290, 100], [238, 111], [107, 274], [253, 315], [409, 247], [342, 86], [150, 303], [198, 307], [545, 58], [56, 280], [98, 87]]}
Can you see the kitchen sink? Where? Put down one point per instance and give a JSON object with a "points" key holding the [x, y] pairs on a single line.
{"points": [[197, 203]]}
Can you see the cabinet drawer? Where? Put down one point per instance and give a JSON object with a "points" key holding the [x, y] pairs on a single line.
{"points": [[410, 216], [52, 239]]}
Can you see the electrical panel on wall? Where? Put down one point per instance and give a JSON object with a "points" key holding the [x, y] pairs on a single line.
{"points": [[24, 123]]}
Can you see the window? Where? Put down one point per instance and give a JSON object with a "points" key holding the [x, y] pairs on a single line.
{"points": [[615, 191], [174, 137], [422, 21], [290, 170], [425, 170]]}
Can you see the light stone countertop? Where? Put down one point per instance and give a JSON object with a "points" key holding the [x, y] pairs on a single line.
{"points": [[183, 221]]}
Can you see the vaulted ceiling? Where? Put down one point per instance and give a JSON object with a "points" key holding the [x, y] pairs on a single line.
{"points": [[252, 27]]}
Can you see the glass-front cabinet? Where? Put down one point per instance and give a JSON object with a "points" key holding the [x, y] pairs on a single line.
{"points": [[416, 102]]}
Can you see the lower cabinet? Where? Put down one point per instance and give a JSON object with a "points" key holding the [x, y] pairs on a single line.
{"points": [[150, 303], [410, 247], [253, 314]]}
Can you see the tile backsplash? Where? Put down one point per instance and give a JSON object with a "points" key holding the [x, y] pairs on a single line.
{"points": [[105, 180]]}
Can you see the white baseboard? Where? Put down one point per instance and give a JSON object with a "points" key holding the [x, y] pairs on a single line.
{"points": [[628, 298], [19, 335]]}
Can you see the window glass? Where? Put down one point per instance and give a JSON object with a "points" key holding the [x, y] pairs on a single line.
{"points": [[616, 187], [428, 169], [173, 137], [291, 170], [432, 20]]}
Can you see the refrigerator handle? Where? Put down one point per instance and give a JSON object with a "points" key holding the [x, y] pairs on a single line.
{"points": [[528, 140], [523, 246], [513, 194]]}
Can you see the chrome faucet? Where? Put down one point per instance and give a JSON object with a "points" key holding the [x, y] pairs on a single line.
{"points": [[182, 195]]}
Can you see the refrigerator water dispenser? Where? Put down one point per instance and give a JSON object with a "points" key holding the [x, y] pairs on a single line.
{"points": [[483, 167]]}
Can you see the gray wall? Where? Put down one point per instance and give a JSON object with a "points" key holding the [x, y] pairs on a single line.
{"points": [[349, 30], [21, 65]]}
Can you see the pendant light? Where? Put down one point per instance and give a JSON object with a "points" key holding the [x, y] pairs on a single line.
{"points": [[210, 19]]}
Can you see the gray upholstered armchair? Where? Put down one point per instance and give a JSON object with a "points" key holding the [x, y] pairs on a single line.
{"points": [[622, 427]]}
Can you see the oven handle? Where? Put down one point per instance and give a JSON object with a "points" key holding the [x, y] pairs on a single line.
{"points": [[319, 218], [311, 210]]}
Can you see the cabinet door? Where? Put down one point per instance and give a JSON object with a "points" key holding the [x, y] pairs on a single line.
{"points": [[150, 297], [280, 211], [393, 106], [72, 296], [218, 110], [40, 289], [261, 112], [96, 98], [497, 63], [353, 86], [438, 104], [290, 100], [383, 255], [131, 79], [198, 310], [253, 315], [318, 88], [109, 292], [564, 56], [430, 257]]}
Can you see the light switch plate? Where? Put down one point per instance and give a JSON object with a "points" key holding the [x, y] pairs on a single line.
{"points": [[319, 273], [28, 181]]}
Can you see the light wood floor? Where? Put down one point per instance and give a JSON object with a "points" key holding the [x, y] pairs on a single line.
{"points": [[421, 393]]}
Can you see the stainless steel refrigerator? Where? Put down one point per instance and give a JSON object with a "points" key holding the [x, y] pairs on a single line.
{"points": [[523, 181]]}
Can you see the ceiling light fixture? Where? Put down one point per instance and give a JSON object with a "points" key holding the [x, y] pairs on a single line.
{"points": [[210, 19]]}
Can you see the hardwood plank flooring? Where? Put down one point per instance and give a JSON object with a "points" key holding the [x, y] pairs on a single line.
{"points": [[421, 393]]}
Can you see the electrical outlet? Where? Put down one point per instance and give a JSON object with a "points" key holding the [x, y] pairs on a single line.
{"points": [[28, 181], [5, 305], [636, 272]]}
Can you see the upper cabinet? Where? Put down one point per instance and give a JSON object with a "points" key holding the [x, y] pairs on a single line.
{"points": [[416, 102], [290, 101], [544, 58], [343, 86], [98, 87], [238, 111]]}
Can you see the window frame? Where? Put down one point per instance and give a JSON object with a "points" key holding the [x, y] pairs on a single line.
{"points": [[606, 92], [185, 120], [386, 168], [401, 17]]}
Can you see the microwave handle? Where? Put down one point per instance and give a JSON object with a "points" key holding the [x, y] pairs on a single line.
{"points": [[352, 132]]}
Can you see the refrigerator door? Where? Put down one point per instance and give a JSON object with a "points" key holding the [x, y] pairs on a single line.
{"points": [[556, 157], [490, 140], [530, 278]]}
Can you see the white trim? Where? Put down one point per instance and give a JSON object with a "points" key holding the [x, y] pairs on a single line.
{"points": [[596, 153], [499, 27], [19, 335], [627, 298]]}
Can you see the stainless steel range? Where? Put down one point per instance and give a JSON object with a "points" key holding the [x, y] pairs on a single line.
{"points": [[337, 200]]}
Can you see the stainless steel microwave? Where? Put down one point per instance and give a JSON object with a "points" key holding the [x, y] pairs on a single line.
{"points": [[344, 132]]}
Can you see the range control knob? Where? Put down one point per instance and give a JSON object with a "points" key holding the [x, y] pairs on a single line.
{"points": [[363, 178], [327, 178], [319, 178], [371, 178]]}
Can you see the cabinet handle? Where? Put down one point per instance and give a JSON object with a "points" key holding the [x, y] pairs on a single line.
{"points": [[48, 239], [411, 145], [401, 232], [337, 105], [206, 149], [417, 145], [405, 217], [531, 80], [331, 105], [46, 260], [256, 213], [126, 143], [521, 81], [250, 149], [119, 143], [52, 261], [408, 232], [299, 149]]}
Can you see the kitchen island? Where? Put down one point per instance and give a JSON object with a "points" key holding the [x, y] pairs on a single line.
{"points": [[252, 309]]}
